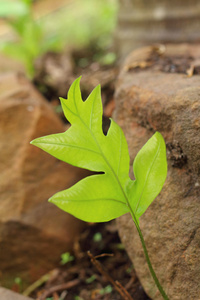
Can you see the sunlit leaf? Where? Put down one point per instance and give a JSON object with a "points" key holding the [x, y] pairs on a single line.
{"points": [[99, 197], [150, 170], [105, 196]]}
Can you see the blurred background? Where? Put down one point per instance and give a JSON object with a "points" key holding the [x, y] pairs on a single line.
{"points": [[36, 27], [44, 46], [107, 29]]}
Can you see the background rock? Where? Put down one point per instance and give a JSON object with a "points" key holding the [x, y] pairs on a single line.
{"points": [[9, 295], [142, 23], [150, 98], [33, 232]]}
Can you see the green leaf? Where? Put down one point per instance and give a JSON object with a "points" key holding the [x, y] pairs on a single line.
{"points": [[101, 197], [96, 198], [65, 258], [150, 170], [10, 8]]}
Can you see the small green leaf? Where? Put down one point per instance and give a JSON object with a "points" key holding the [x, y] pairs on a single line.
{"points": [[150, 170], [97, 237], [90, 279], [66, 257], [101, 197], [106, 290]]}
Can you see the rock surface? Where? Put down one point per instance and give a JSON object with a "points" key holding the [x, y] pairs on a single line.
{"points": [[33, 232], [150, 99], [9, 295], [143, 23]]}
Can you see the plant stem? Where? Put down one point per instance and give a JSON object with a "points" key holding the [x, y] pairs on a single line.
{"points": [[159, 286]]}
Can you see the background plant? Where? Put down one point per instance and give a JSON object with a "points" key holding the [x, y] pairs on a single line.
{"points": [[30, 39], [76, 25], [110, 193]]}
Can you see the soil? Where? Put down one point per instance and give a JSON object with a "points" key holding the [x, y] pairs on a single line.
{"points": [[157, 59], [81, 279]]}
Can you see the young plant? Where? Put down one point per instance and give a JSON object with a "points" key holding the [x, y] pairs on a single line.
{"points": [[30, 38], [110, 194]]}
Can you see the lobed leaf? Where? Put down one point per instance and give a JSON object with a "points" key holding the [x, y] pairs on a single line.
{"points": [[106, 196], [84, 145]]}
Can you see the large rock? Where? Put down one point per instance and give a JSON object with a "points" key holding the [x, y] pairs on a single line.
{"points": [[33, 232], [149, 98], [9, 295], [142, 22]]}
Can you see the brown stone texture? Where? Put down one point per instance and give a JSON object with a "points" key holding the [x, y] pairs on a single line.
{"points": [[142, 22], [9, 295], [33, 232], [148, 100]]}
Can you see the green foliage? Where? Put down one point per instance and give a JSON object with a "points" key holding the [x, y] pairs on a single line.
{"points": [[16, 8], [52, 298], [97, 237], [103, 197], [87, 22], [66, 257], [19, 282], [90, 279], [30, 38], [78, 298], [106, 290], [77, 25]]}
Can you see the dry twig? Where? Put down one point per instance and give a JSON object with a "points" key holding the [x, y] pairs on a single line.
{"points": [[121, 290], [58, 288]]}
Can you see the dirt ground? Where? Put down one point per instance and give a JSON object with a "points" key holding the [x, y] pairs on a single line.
{"points": [[100, 269]]}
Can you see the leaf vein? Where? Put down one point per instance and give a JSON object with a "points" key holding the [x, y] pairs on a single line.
{"points": [[72, 112], [105, 159], [88, 200], [68, 145]]}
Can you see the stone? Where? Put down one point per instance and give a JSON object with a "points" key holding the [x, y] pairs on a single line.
{"points": [[143, 23], [149, 98], [7, 65], [33, 232], [9, 295]]}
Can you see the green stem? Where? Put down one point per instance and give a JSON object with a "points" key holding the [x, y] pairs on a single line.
{"points": [[159, 286]]}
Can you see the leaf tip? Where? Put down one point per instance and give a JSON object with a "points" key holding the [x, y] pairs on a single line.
{"points": [[74, 88], [98, 87], [33, 142], [51, 200], [76, 81], [158, 134]]}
